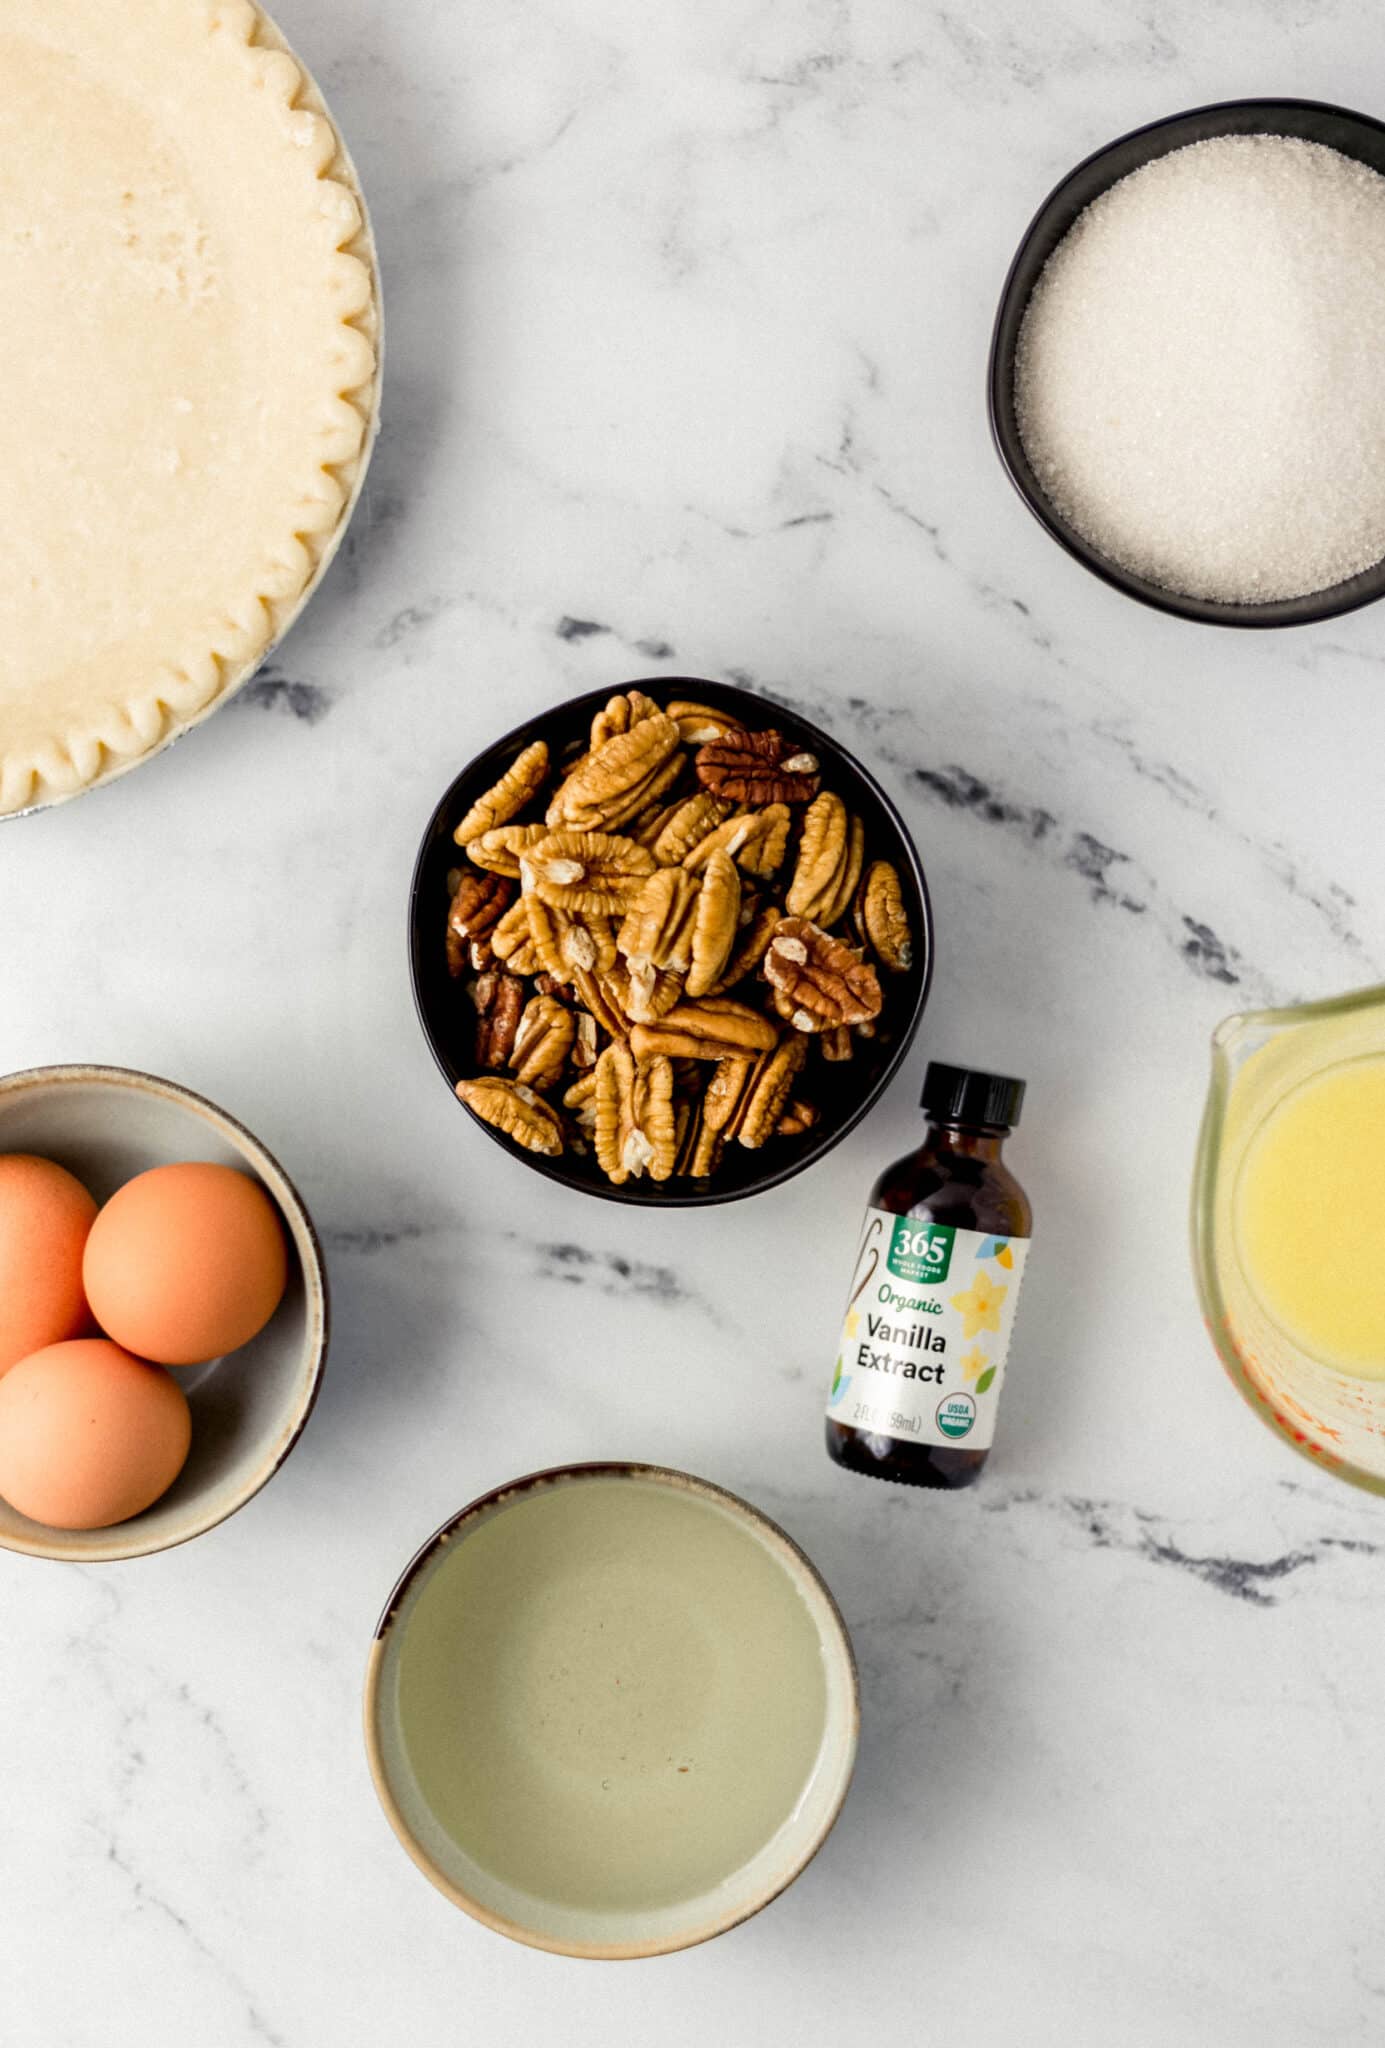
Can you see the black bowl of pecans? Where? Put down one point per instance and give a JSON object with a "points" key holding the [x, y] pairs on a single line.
{"points": [[668, 945]]}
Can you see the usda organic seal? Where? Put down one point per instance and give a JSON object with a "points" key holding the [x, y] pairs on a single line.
{"points": [[956, 1414]]}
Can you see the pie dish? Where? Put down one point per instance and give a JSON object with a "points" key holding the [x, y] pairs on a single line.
{"points": [[191, 354]]}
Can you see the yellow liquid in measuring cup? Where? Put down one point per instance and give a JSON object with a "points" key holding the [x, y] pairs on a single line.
{"points": [[1310, 1217]]}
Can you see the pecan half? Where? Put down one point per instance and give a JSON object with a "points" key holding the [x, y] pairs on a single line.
{"points": [[751, 942], [619, 714], [841, 901], [726, 1091], [499, 849], [546, 928], [716, 1028], [704, 1142], [478, 905], [588, 873], [511, 940], [716, 921], [565, 941], [837, 1044], [700, 1149], [519, 785], [618, 779], [582, 1090], [699, 723], [658, 927], [515, 1110], [829, 861], [635, 1131], [707, 1152], [881, 920], [499, 1001], [769, 1091], [583, 1041], [645, 829], [595, 996], [542, 1042], [644, 992], [825, 981], [796, 1118], [661, 787], [756, 840], [757, 768], [590, 942], [686, 825]]}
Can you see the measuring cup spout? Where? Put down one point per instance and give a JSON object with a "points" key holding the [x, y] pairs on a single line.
{"points": [[1286, 1284]]}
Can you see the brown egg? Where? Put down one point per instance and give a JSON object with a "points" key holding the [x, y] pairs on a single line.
{"points": [[186, 1262], [89, 1435], [45, 1215]]}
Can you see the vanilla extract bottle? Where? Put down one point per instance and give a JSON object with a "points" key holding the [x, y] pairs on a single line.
{"points": [[933, 1294]]}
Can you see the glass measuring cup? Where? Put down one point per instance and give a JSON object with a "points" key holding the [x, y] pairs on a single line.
{"points": [[1260, 1058]]}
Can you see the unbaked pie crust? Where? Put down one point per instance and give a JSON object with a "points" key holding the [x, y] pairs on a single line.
{"points": [[190, 370]]}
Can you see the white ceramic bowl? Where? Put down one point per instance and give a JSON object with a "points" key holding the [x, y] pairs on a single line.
{"points": [[106, 1124], [611, 1710]]}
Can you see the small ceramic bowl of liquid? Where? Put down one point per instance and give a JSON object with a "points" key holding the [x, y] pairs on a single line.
{"points": [[1289, 1224], [611, 1710], [106, 1125]]}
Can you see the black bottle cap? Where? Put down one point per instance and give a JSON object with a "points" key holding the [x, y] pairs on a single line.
{"points": [[957, 1095]]}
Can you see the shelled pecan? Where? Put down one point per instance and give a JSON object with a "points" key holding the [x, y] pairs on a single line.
{"points": [[519, 785], [499, 1002], [515, 1110], [756, 840], [635, 1130], [881, 920], [618, 778], [757, 768], [543, 1042], [824, 980]]}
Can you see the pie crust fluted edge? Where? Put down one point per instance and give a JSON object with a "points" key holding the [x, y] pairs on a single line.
{"points": [[198, 681]]}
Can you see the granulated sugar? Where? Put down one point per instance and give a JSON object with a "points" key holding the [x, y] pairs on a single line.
{"points": [[1200, 377]]}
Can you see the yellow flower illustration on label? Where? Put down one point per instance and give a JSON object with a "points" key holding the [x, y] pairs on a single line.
{"points": [[973, 1363], [980, 1306], [853, 1322]]}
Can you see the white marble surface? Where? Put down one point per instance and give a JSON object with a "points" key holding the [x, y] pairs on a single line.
{"points": [[688, 313]]}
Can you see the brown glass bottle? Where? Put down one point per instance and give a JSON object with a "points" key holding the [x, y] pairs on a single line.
{"points": [[957, 1179]]}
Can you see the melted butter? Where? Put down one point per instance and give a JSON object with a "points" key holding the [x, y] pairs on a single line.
{"points": [[1310, 1216], [611, 1694]]}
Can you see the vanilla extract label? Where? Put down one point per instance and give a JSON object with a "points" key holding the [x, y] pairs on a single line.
{"points": [[926, 1332]]}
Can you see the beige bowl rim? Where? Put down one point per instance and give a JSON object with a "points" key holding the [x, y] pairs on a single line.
{"points": [[798, 1563], [124, 1542]]}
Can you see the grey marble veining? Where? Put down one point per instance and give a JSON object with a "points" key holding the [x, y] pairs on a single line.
{"points": [[688, 312]]}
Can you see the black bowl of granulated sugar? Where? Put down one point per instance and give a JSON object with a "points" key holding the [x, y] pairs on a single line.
{"points": [[1187, 372]]}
